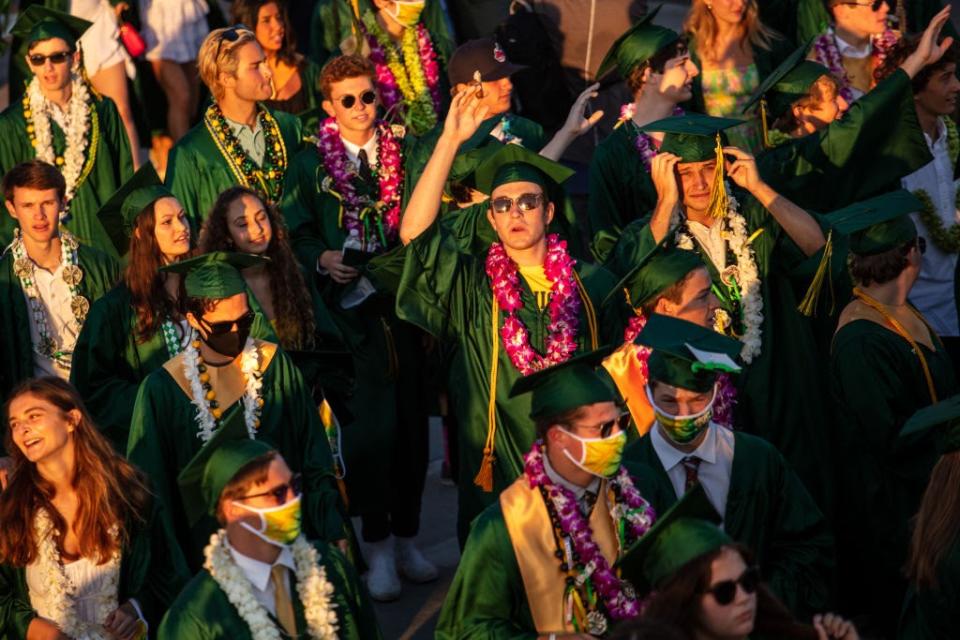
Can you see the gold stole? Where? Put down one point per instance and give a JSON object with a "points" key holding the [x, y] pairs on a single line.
{"points": [[531, 534], [625, 369], [860, 72], [227, 382]]}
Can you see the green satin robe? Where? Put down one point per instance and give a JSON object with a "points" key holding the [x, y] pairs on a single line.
{"points": [[100, 273], [620, 186], [163, 439], [932, 614], [203, 612], [112, 167], [768, 510], [197, 172]]}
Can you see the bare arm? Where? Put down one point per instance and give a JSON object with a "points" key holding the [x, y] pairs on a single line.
{"points": [[575, 126]]}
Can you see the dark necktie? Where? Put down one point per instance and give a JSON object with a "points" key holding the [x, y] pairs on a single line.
{"points": [[691, 466], [364, 169]]}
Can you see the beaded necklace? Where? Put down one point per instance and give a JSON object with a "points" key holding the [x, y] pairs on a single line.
{"points": [[266, 178]]}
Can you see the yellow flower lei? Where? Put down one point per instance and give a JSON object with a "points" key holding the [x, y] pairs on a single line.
{"points": [[944, 238]]}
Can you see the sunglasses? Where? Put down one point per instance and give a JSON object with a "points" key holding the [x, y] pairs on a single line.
{"points": [[621, 422], [243, 323], [725, 591], [232, 34], [38, 60], [367, 97], [525, 202], [280, 492], [874, 6]]}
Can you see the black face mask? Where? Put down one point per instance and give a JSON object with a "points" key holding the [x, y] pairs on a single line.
{"points": [[223, 340]]}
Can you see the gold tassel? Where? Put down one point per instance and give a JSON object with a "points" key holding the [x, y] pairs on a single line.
{"points": [[808, 306], [484, 477], [763, 123], [718, 193]]}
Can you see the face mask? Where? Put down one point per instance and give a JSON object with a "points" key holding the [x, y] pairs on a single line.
{"points": [[682, 429], [229, 344], [407, 12], [279, 526], [600, 456]]}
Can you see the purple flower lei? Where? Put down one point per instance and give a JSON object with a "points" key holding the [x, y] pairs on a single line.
{"points": [[827, 53], [646, 145]]}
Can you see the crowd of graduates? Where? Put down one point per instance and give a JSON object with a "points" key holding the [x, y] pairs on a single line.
{"points": [[696, 361]]}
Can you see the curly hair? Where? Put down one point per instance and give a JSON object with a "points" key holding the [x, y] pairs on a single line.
{"points": [[344, 68], [656, 63], [248, 12], [903, 49], [294, 321]]}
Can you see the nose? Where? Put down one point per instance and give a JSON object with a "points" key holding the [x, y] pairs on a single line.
{"points": [[691, 69], [701, 179], [843, 104]]}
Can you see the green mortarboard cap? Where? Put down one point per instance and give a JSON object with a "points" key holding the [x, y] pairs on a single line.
{"points": [[513, 163], [685, 532], [693, 136], [944, 414], [40, 23], [788, 83], [661, 268], [119, 213], [640, 43], [878, 224], [568, 385], [218, 461], [215, 275], [685, 354]]}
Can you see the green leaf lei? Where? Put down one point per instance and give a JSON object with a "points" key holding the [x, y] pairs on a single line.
{"points": [[267, 179], [944, 238]]}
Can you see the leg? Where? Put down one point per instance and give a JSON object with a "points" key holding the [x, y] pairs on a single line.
{"points": [[193, 81], [112, 82], [176, 86]]}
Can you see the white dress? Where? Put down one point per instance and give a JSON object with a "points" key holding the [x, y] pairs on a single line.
{"points": [[174, 29], [95, 584], [100, 44]]}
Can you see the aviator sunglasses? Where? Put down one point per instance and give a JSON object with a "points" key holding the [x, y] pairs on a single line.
{"points": [[38, 60], [725, 591], [525, 202], [367, 97], [874, 6]]}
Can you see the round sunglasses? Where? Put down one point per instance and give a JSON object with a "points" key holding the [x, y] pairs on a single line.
{"points": [[367, 97], [725, 591]]}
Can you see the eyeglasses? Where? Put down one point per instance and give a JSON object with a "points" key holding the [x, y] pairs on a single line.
{"points": [[874, 6], [921, 245], [621, 422], [232, 34], [367, 97], [725, 591], [280, 492], [244, 322], [525, 202], [38, 60]]}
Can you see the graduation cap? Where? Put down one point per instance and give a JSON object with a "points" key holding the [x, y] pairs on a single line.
{"points": [[119, 214], [685, 532], [945, 414], [697, 138], [685, 354], [41, 23], [659, 269], [228, 450], [565, 386], [641, 42], [788, 83], [878, 224], [216, 274], [513, 163]]}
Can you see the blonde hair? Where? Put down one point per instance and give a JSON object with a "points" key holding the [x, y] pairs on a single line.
{"points": [[702, 28], [218, 55]]}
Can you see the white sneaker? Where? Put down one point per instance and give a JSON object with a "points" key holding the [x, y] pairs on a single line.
{"points": [[382, 579], [413, 566]]}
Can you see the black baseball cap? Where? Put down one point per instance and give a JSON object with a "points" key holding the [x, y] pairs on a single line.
{"points": [[482, 55]]}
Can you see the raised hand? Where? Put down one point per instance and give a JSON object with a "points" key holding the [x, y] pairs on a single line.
{"points": [[830, 626], [465, 115], [663, 172], [928, 50], [577, 122], [743, 169]]}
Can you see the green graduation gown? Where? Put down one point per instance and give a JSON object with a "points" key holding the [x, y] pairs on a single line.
{"points": [[447, 293], [163, 439], [932, 613], [768, 509], [197, 172], [100, 273], [152, 570], [203, 612], [620, 186], [112, 167], [877, 384]]}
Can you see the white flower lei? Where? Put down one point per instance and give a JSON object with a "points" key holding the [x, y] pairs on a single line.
{"points": [[78, 126], [61, 590], [249, 365], [315, 590], [745, 273]]}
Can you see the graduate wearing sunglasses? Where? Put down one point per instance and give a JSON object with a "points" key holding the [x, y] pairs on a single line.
{"points": [[224, 372], [763, 503]]}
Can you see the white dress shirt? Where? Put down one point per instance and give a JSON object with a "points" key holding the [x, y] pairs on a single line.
{"points": [[55, 297], [933, 293], [716, 463], [258, 573], [712, 240], [584, 501], [353, 151], [848, 50]]}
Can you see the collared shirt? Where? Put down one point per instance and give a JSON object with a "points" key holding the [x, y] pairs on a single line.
{"points": [[716, 463], [848, 50], [585, 496], [55, 297], [933, 292], [353, 151], [252, 141], [712, 241], [258, 573]]}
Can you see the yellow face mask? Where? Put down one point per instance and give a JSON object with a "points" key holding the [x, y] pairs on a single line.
{"points": [[278, 525], [600, 456], [407, 12]]}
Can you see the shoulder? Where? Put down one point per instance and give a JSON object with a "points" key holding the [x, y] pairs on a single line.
{"points": [[105, 106], [198, 598], [196, 137], [755, 448], [305, 160], [95, 257], [12, 115], [289, 124], [489, 528]]}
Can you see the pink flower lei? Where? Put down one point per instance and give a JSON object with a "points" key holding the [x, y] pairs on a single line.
{"points": [[564, 306], [726, 391], [387, 86], [376, 223], [431, 68], [827, 53], [633, 514]]}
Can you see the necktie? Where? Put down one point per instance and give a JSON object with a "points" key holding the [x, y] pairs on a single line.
{"points": [[691, 466], [364, 169], [281, 599]]}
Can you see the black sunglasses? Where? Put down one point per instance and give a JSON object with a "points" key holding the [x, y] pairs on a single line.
{"points": [[367, 97], [38, 60], [525, 202], [244, 322], [622, 421], [232, 34], [725, 591], [280, 492], [874, 6]]}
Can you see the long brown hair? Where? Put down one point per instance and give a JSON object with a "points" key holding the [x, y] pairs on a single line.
{"points": [[150, 299], [292, 303], [109, 490], [247, 12], [702, 28], [937, 523], [677, 601]]}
